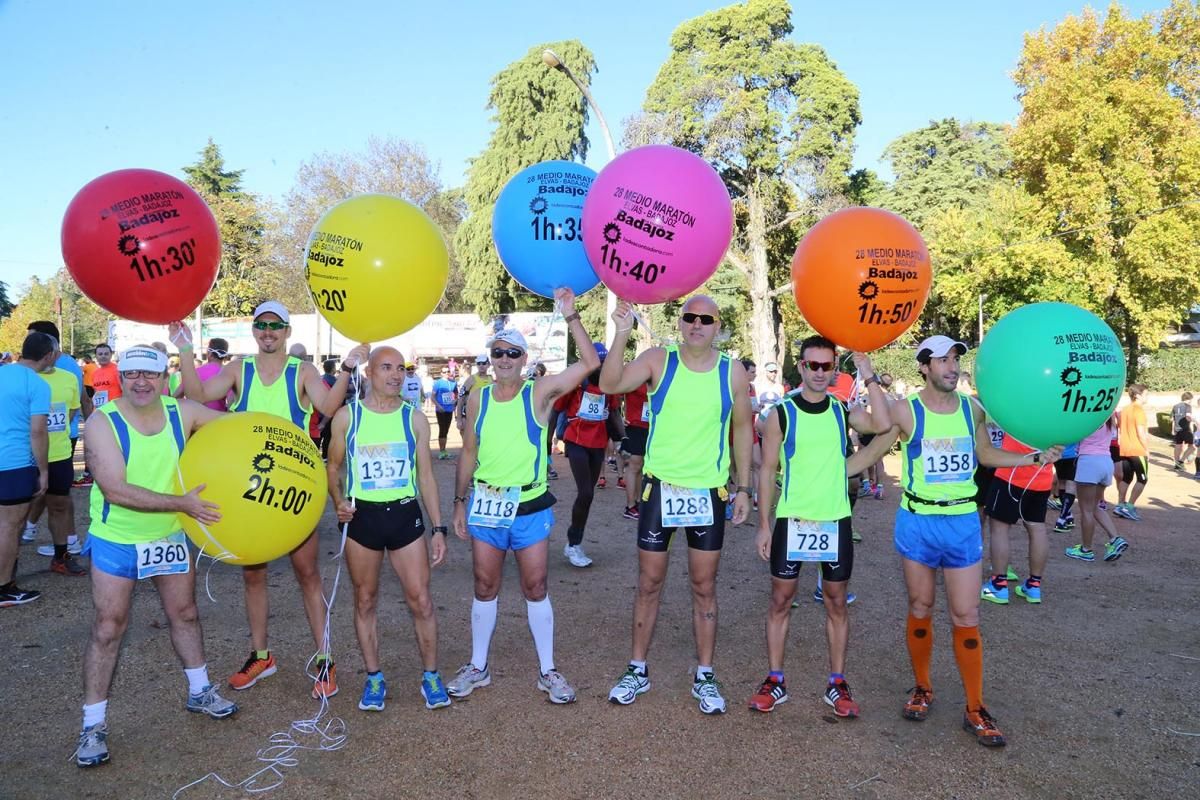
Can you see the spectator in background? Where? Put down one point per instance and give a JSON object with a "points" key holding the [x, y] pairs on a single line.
{"points": [[1183, 430], [67, 364]]}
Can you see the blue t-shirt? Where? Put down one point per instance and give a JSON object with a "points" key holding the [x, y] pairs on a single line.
{"points": [[1071, 451], [22, 394], [65, 362], [444, 390]]}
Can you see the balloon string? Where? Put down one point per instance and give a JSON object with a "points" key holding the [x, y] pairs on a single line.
{"points": [[645, 326], [554, 315], [331, 733]]}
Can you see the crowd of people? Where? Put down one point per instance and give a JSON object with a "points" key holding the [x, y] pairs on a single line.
{"points": [[702, 440]]}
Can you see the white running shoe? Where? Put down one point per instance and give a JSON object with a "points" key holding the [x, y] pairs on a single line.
{"points": [[632, 684], [576, 556], [30, 534], [708, 692], [468, 679], [554, 684]]}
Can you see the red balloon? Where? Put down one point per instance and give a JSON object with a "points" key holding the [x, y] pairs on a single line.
{"points": [[142, 245]]}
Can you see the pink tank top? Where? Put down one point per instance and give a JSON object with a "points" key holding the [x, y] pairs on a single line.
{"points": [[207, 372]]}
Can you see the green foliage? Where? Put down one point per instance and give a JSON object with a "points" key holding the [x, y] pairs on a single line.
{"points": [[209, 176], [387, 166], [1109, 139], [539, 115], [83, 324], [1171, 369], [6, 306]]}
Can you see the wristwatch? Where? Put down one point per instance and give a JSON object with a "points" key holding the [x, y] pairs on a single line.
{"points": [[442, 529], [572, 317], [872, 379], [459, 498], [745, 489], [1037, 458], [346, 368]]}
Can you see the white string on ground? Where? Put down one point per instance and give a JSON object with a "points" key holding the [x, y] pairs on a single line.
{"points": [[874, 777], [330, 732], [1181, 733], [1181, 655]]}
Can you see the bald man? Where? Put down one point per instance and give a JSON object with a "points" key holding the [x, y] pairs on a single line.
{"points": [[377, 496], [698, 397]]}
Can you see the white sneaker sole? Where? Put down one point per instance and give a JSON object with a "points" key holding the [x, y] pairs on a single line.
{"points": [[470, 687], [266, 673], [556, 700], [617, 698]]}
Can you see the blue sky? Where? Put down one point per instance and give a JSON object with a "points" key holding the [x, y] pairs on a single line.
{"points": [[93, 87]]}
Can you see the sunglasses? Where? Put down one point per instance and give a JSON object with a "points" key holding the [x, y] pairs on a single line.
{"points": [[705, 319], [134, 374], [512, 353], [270, 326], [819, 366]]}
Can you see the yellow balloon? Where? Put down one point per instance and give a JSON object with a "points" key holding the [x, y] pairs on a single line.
{"points": [[376, 266], [268, 479]]}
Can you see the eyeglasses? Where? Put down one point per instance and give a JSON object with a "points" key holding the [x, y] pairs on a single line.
{"points": [[134, 374], [269, 326], [819, 366], [705, 319], [512, 353]]}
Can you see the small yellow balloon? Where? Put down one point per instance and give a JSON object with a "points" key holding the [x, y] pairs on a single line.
{"points": [[268, 479], [377, 266]]}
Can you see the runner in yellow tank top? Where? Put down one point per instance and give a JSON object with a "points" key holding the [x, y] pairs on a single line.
{"points": [[383, 442], [698, 397], [806, 437], [501, 502], [133, 445], [942, 436], [269, 391]]}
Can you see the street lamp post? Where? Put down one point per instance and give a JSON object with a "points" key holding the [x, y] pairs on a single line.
{"points": [[551, 59]]}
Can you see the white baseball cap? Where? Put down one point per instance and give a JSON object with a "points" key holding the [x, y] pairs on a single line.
{"points": [[481, 358], [510, 335], [140, 357], [273, 307], [937, 347]]}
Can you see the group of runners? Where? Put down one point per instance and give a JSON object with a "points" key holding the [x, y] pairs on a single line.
{"points": [[695, 463]]}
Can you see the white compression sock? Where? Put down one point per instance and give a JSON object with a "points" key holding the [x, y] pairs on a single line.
{"points": [[541, 625], [483, 624]]}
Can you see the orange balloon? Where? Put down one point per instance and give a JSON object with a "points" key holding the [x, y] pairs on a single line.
{"points": [[861, 277]]}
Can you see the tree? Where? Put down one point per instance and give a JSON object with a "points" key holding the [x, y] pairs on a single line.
{"points": [[6, 306], [776, 118], [1108, 140], [540, 116], [244, 268], [945, 164], [387, 166], [82, 323]]}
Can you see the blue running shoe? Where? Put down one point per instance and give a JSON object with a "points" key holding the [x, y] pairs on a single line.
{"points": [[434, 690], [1031, 591], [374, 693], [994, 593], [819, 597], [1114, 549], [1077, 551]]}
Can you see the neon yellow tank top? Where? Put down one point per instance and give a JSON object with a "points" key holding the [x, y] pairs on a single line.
{"points": [[381, 453], [938, 461], [151, 462], [281, 398], [688, 440], [812, 459], [64, 398], [512, 443]]}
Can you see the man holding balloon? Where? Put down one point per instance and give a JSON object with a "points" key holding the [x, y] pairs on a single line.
{"points": [[501, 498], [274, 382], [133, 446], [943, 437]]}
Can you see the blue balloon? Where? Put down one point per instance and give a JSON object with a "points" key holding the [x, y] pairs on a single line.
{"points": [[538, 231]]}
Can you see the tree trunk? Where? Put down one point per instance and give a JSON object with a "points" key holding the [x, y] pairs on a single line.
{"points": [[762, 334]]}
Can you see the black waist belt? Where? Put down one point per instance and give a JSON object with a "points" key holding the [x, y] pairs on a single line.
{"points": [[912, 498], [382, 503]]}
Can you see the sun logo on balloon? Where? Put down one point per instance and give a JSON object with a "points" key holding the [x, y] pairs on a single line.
{"points": [[263, 463], [1071, 376], [612, 233], [128, 245], [538, 205], [868, 290]]}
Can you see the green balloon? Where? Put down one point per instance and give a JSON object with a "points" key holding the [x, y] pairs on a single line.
{"points": [[1050, 373]]}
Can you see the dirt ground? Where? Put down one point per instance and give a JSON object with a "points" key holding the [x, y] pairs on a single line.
{"points": [[1095, 688]]}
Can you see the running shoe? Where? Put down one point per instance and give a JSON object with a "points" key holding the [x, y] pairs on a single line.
{"points": [[994, 592], [1011, 574], [555, 685], [1054, 503], [1179, 466], [551, 473], [207, 701], [879, 491], [620, 483], [468, 679], [1061, 526], [632, 684], [74, 548], [84, 482], [919, 701], [1122, 510], [980, 723], [1132, 512], [433, 690], [253, 671], [612, 462], [630, 513], [1078, 552], [325, 684], [1115, 549], [855, 536], [30, 534], [13, 595], [68, 566], [602, 483], [576, 556], [374, 694], [819, 597], [866, 489], [769, 695], [708, 692], [838, 696], [92, 750], [1031, 590]]}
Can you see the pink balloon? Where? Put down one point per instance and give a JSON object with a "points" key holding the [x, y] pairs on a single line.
{"points": [[656, 223]]}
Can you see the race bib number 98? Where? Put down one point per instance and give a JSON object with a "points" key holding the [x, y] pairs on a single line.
{"points": [[948, 460], [592, 407]]}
